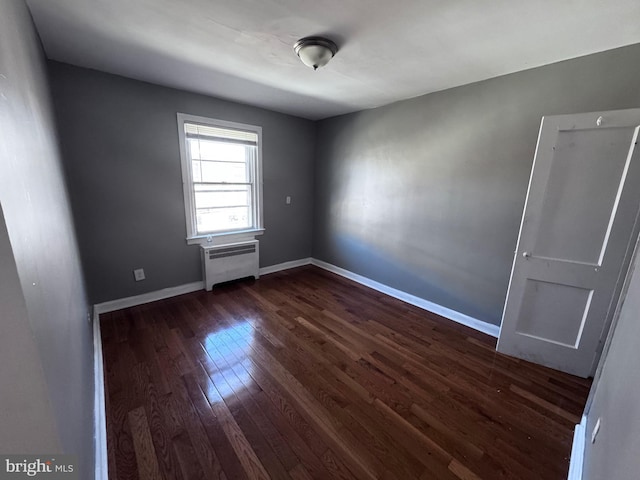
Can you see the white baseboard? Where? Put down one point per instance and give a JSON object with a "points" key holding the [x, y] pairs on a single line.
{"points": [[285, 266], [100, 419], [119, 304], [448, 313], [458, 317], [149, 297], [577, 450]]}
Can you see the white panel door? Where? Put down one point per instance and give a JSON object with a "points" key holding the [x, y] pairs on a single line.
{"points": [[578, 223]]}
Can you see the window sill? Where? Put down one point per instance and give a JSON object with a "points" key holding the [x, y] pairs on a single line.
{"points": [[224, 238]]}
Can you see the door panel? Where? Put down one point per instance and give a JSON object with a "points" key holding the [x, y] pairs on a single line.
{"points": [[573, 227], [543, 302], [573, 249]]}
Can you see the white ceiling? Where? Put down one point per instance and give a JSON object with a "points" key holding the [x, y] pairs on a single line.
{"points": [[390, 50]]}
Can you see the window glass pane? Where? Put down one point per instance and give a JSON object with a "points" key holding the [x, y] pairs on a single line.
{"points": [[218, 162], [223, 172], [216, 150], [216, 196], [194, 148], [196, 171], [220, 219]]}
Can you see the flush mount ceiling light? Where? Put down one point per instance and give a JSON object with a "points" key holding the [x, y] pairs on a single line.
{"points": [[315, 52]]}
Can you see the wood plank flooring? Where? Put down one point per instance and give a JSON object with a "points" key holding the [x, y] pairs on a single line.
{"points": [[306, 375]]}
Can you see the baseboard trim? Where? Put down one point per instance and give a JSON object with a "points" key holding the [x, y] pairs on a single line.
{"points": [[100, 417], [149, 297], [448, 313], [285, 266], [119, 304], [576, 463]]}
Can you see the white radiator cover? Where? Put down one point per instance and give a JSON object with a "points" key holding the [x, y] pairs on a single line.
{"points": [[222, 263]]}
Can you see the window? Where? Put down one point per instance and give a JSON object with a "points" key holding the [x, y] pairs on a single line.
{"points": [[221, 176]]}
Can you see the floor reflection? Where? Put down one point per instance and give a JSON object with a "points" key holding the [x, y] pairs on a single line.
{"points": [[229, 351]]}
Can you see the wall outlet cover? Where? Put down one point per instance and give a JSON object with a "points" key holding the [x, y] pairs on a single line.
{"points": [[138, 274]]}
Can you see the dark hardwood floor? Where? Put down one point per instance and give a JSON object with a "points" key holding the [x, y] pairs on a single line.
{"points": [[304, 374]]}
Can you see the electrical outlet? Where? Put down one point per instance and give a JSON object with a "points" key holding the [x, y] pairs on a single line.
{"points": [[138, 274], [288, 200], [595, 431]]}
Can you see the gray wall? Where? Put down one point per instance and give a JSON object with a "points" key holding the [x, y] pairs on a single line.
{"points": [[426, 195], [47, 311], [120, 147], [614, 398], [27, 423]]}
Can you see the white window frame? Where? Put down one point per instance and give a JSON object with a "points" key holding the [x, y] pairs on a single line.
{"points": [[217, 238]]}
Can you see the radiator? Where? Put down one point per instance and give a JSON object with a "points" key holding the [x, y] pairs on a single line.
{"points": [[222, 263]]}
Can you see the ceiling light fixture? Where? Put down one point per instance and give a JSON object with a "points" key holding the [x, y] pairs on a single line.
{"points": [[315, 52]]}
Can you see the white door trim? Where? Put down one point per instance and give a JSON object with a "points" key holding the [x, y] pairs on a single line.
{"points": [[100, 418]]}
